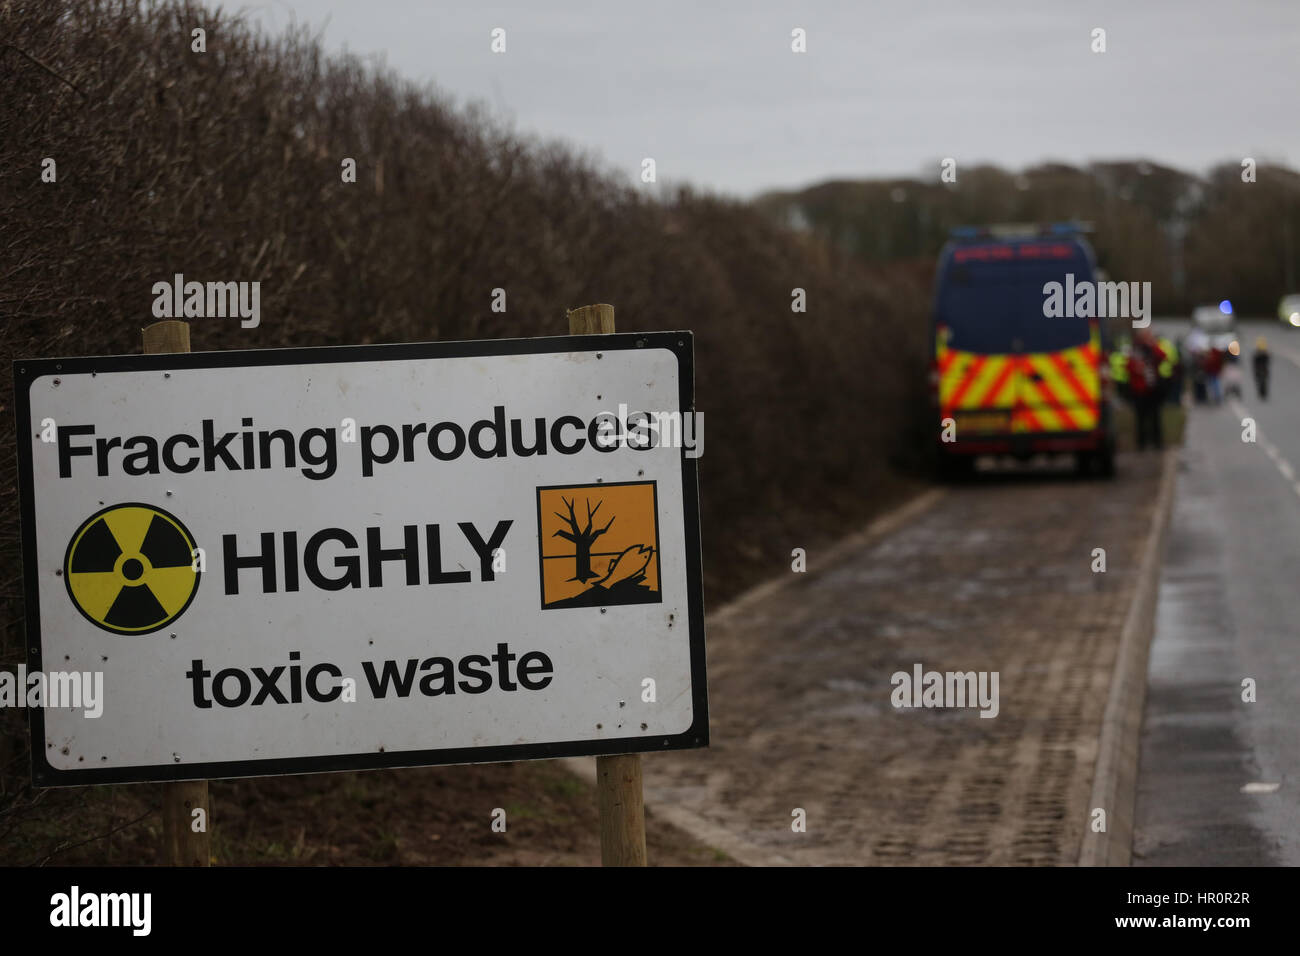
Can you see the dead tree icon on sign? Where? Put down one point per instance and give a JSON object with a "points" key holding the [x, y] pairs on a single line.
{"points": [[608, 558]]}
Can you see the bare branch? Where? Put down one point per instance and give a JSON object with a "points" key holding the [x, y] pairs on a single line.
{"points": [[49, 70], [63, 847]]}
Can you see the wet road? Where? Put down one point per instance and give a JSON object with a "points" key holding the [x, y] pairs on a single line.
{"points": [[1218, 778]]}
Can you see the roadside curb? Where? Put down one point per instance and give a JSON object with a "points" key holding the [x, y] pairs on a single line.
{"points": [[1114, 782], [695, 826]]}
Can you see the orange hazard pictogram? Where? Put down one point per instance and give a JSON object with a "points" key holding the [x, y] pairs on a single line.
{"points": [[598, 544]]}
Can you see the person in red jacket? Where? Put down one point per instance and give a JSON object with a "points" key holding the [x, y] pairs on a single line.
{"points": [[1147, 388], [1212, 363]]}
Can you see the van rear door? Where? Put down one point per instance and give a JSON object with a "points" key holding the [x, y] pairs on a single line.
{"points": [[977, 333], [1005, 366], [1059, 386]]}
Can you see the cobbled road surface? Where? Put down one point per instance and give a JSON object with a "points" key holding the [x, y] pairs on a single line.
{"points": [[995, 576]]}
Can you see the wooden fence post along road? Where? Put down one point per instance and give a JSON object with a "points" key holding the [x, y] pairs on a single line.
{"points": [[317, 559]]}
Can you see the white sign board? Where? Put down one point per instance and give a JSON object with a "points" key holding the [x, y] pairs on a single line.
{"points": [[300, 560]]}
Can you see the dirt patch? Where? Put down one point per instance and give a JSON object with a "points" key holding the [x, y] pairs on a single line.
{"points": [[439, 816]]}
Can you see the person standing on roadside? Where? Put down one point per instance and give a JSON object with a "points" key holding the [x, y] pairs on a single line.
{"points": [[1171, 371], [1119, 368], [1212, 363], [1260, 362], [1147, 388]]}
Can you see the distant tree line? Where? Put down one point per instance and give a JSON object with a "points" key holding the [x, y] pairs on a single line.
{"points": [[1232, 234]]}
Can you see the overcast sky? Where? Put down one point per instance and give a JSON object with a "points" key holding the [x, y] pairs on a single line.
{"points": [[713, 92]]}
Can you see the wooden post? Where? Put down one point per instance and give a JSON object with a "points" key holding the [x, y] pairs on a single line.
{"points": [[622, 810], [170, 335], [592, 319], [182, 846], [618, 778]]}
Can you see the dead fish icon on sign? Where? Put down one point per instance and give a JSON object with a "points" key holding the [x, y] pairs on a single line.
{"points": [[599, 545], [628, 567]]}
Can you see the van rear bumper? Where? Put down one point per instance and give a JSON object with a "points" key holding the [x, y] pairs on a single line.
{"points": [[1023, 444]]}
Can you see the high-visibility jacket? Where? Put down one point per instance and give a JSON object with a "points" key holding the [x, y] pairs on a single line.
{"points": [[1118, 367], [1170, 362], [1144, 368]]}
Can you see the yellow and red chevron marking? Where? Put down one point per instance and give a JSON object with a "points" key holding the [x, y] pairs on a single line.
{"points": [[969, 380], [1054, 389], [1044, 391]]}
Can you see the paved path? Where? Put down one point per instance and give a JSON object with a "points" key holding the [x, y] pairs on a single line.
{"points": [[994, 577]]}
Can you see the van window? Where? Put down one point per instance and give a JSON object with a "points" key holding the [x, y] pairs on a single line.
{"points": [[997, 307]]}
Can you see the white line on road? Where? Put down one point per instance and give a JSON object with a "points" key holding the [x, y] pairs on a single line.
{"points": [[1270, 449], [1260, 787]]}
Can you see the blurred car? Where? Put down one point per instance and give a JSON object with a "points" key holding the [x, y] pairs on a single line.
{"points": [[1198, 342], [1214, 319], [1288, 310]]}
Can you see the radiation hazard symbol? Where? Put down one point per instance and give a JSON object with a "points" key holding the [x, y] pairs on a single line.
{"points": [[599, 544], [129, 569]]}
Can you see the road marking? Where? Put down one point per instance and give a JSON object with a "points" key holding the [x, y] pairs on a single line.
{"points": [[1270, 449], [1260, 787]]}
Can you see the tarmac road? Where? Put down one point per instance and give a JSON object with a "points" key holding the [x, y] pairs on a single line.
{"points": [[1218, 777]]}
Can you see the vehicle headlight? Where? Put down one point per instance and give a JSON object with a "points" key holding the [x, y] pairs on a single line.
{"points": [[1295, 318]]}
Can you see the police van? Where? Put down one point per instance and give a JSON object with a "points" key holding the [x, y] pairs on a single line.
{"points": [[1006, 378]]}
